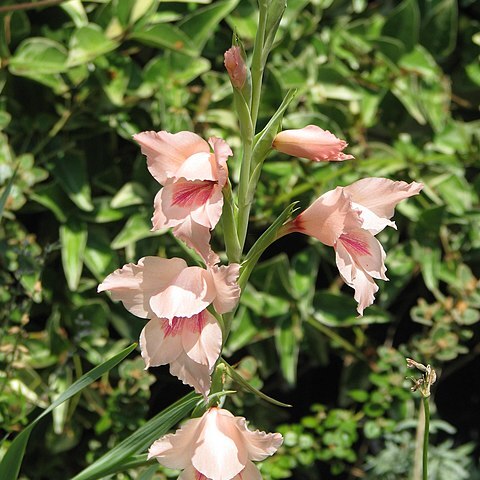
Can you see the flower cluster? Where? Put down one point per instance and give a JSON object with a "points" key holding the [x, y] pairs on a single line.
{"points": [[183, 303]]}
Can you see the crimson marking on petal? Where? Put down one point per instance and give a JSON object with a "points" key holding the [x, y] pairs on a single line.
{"points": [[200, 476], [356, 244], [195, 323], [174, 327], [186, 194]]}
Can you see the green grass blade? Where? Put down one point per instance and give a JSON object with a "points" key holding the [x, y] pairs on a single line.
{"points": [[11, 462], [122, 455]]}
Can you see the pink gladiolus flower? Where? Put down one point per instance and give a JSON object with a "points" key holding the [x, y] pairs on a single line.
{"points": [[217, 446], [313, 143], [236, 67], [190, 345], [168, 288], [347, 219], [192, 177]]}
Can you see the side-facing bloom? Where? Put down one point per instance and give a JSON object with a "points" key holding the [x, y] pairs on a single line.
{"points": [[347, 219], [174, 297], [313, 143], [217, 446], [192, 177], [236, 66]]}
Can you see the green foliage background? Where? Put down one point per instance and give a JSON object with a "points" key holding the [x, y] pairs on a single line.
{"points": [[399, 80]]}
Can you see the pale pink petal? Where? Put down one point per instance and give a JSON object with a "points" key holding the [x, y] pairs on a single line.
{"points": [[134, 284], [202, 338], [228, 291], [222, 152], [250, 472], [166, 152], [311, 142], [157, 347], [366, 251], [161, 205], [191, 474], [327, 217], [220, 453], [188, 293], [177, 201], [260, 445], [192, 373], [208, 214], [381, 195], [175, 450], [200, 166], [355, 277], [197, 237]]}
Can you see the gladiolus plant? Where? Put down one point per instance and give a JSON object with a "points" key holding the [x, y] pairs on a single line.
{"points": [[189, 308]]}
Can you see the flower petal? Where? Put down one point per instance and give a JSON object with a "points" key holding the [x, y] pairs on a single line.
{"points": [[202, 339], [326, 218], [355, 277], [192, 373], [157, 347], [186, 295], [166, 152], [228, 291], [197, 237], [175, 450], [380, 196], [134, 285], [220, 453], [260, 445], [311, 142], [366, 252]]}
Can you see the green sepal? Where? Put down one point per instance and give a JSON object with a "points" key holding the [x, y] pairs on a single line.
{"points": [[276, 9], [241, 381], [264, 139], [229, 222]]}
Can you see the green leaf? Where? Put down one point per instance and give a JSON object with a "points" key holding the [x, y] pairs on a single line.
{"points": [[123, 454], [166, 36], [88, 43], [132, 193], [71, 173], [6, 192], [138, 226], [439, 30], [37, 56], [73, 239], [11, 462], [340, 311], [200, 25], [404, 24], [287, 342], [76, 12]]}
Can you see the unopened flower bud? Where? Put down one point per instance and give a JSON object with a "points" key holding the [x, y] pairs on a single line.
{"points": [[311, 142], [236, 66]]}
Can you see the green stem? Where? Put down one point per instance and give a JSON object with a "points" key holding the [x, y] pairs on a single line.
{"points": [[258, 63], [426, 409]]}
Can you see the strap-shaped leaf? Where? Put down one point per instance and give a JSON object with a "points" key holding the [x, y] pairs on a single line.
{"points": [[11, 462], [122, 455]]}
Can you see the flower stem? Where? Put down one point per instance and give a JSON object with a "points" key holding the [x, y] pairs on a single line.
{"points": [[426, 409]]}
